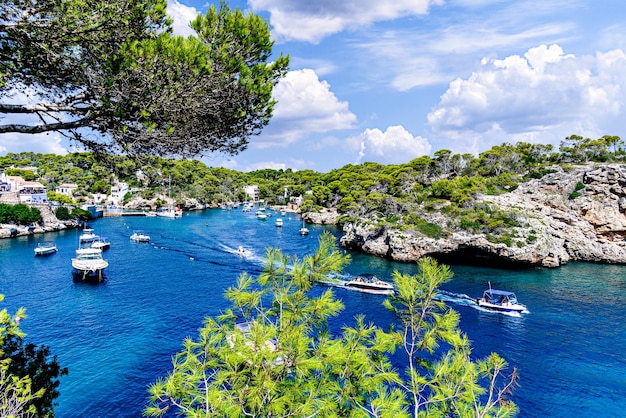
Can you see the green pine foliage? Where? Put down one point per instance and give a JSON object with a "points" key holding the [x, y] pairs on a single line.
{"points": [[274, 353]]}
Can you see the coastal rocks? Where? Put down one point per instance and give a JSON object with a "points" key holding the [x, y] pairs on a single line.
{"points": [[565, 216], [50, 223], [324, 217]]}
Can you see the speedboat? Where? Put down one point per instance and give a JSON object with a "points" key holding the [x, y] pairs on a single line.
{"points": [[87, 236], [140, 236], [279, 221], [370, 283], [243, 252], [45, 248], [101, 243], [500, 300], [89, 263]]}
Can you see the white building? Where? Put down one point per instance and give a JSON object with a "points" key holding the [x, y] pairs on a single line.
{"points": [[66, 189], [32, 192], [117, 193], [253, 192]]}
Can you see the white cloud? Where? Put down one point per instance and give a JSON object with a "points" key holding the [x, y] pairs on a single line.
{"points": [[544, 96], [394, 146], [39, 143], [267, 164], [181, 15], [310, 21], [305, 105]]}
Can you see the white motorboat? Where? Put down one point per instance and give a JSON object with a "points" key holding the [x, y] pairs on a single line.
{"points": [[46, 248], [279, 222], [243, 252], [89, 263], [500, 300], [87, 236], [370, 283], [101, 243], [140, 236], [304, 230], [170, 213], [261, 216]]}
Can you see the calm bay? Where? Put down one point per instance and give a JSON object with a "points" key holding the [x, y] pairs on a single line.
{"points": [[118, 337]]}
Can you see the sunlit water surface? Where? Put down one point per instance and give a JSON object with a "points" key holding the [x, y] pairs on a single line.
{"points": [[119, 336]]}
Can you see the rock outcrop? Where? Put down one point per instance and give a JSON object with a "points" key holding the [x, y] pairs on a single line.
{"points": [[50, 223], [578, 215]]}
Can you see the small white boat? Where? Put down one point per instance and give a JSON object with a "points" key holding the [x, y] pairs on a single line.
{"points": [[89, 263], [279, 222], [304, 230], [170, 213], [101, 243], [500, 300], [151, 213], [243, 252], [370, 283], [140, 236], [46, 248], [87, 236], [261, 216], [283, 213]]}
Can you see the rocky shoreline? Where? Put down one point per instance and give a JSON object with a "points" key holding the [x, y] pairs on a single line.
{"points": [[557, 226], [50, 223]]}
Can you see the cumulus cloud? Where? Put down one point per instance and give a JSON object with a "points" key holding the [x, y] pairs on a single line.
{"points": [[394, 146], [310, 21], [51, 143], [181, 15], [544, 95], [305, 105]]}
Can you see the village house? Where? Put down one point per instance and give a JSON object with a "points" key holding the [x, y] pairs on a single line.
{"points": [[66, 189]]}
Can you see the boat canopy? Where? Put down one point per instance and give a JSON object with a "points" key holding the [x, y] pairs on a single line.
{"points": [[501, 295]]}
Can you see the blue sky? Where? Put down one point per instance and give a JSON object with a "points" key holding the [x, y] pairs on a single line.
{"points": [[389, 81]]}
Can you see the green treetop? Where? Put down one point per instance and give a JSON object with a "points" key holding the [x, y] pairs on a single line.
{"points": [[274, 354], [113, 68]]}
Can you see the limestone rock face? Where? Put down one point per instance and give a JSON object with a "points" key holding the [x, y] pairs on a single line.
{"points": [[324, 217], [578, 215]]}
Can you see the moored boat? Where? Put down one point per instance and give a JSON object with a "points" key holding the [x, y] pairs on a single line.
{"points": [[279, 222], [46, 248], [370, 283], [88, 264], [87, 236], [101, 243], [500, 300]]}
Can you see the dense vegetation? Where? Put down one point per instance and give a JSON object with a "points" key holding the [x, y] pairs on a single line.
{"points": [[19, 214], [288, 361], [111, 75], [28, 375], [406, 196]]}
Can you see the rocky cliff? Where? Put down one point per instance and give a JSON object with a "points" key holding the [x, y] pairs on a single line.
{"points": [[576, 215], [50, 223]]}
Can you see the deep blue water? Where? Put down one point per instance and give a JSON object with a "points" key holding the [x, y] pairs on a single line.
{"points": [[118, 337]]}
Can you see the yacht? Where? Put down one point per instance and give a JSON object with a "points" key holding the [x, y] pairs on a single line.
{"points": [[45, 248], [101, 243], [140, 236], [500, 300], [87, 236], [88, 264], [370, 283]]}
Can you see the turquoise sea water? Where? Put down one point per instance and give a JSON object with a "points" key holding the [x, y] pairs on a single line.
{"points": [[118, 337]]}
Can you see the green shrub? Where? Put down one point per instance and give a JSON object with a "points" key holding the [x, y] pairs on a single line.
{"points": [[63, 213]]}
